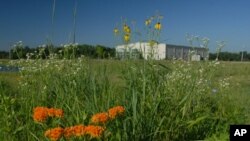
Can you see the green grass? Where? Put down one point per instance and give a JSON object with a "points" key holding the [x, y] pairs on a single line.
{"points": [[240, 82], [164, 100]]}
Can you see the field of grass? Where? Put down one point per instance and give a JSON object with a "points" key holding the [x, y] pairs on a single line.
{"points": [[163, 100]]}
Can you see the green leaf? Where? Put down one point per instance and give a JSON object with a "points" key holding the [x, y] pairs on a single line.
{"points": [[196, 121]]}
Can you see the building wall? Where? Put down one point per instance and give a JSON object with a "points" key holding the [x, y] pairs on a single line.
{"points": [[158, 51], [182, 52]]}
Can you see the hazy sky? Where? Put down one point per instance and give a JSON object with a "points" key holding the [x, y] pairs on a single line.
{"points": [[30, 21]]}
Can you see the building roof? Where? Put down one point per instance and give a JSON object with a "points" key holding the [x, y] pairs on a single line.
{"points": [[167, 45], [182, 46]]}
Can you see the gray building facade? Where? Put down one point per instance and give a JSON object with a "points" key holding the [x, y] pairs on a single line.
{"points": [[161, 51], [184, 52]]}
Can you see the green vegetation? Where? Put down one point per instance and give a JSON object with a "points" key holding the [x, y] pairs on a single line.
{"points": [[163, 100], [99, 51], [230, 56], [66, 51]]}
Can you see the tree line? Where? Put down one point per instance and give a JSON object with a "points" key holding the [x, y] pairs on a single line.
{"points": [[98, 51], [231, 56], [67, 51]]}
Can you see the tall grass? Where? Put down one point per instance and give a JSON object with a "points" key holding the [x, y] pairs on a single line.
{"points": [[177, 101]]}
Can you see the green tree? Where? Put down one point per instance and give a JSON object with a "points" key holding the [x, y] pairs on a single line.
{"points": [[99, 51]]}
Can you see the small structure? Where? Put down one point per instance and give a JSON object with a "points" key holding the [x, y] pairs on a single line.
{"points": [[160, 51]]}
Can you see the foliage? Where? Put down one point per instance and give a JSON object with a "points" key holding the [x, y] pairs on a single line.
{"points": [[229, 56], [68, 51], [173, 101], [4, 54]]}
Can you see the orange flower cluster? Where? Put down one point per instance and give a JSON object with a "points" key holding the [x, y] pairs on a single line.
{"points": [[42, 113], [116, 111], [77, 131], [94, 131], [100, 118], [70, 131], [54, 134], [106, 116], [55, 112]]}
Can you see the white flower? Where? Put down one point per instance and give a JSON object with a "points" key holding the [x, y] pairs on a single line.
{"points": [[217, 63]]}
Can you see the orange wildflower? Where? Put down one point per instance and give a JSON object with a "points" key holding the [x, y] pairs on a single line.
{"points": [[40, 114], [94, 131], [50, 112], [54, 134], [115, 111], [79, 130], [100, 118], [58, 112], [69, 132]]}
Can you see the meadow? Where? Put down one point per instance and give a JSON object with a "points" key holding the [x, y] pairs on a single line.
{"points": [[70, 97], [157, 100]]}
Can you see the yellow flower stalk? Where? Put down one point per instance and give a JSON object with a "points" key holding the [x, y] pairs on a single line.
{"points": [[126, 29], [158, 26], [116, 31], [147, 22], [126, 37]]}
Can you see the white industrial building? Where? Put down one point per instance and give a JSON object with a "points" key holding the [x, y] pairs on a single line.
{"points": [[144, 50], [160, 51]]}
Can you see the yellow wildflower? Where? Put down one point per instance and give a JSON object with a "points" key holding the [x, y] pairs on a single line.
{"points": [[126, 29], [126, 37], [147, 22], [116, 31], [158, 26]]}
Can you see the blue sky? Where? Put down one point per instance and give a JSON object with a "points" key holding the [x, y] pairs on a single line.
{"points": [[219, 20]]}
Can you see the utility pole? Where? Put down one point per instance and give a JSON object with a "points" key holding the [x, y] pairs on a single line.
{"points": [[74, 26], [52, 20], [9, 51], [242, 54]]}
